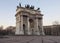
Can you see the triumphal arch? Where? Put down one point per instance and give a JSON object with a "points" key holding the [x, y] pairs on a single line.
{"points": [[28, 21]]}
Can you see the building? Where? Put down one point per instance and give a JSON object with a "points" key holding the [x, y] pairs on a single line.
{"points": [[52, 30], [47, 30], [56, 30], [28, 21]]}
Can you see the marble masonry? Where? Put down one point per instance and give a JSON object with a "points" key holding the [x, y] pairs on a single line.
{"points": [[29, 21]]}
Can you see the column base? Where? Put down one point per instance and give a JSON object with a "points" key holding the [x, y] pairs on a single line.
{"points": [[19, 33], [38, 33], [29, 33]]}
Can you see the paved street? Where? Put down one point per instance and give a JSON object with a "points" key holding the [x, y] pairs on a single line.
{"points": [[29, 39]]}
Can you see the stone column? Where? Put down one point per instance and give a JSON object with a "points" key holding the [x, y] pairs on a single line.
{"points": [[36, 26], [17, 25], [17, 29], [42, 30], [28, 26], [21, 28]]}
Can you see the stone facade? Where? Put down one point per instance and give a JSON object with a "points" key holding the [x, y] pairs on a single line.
{"points": [[28, 21], [52, 30]]}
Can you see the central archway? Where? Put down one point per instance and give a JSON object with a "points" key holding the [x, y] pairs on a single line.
{"points": [[31, 23], [31, 26], [24, 28]]}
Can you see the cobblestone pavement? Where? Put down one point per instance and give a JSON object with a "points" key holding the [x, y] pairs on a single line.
{"points": [[29, 39]]}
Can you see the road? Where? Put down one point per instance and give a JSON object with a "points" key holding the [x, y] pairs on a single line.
{"points": [[29, 39]]}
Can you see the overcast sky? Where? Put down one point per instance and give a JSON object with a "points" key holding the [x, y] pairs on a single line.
{"points": [[49, 8]]}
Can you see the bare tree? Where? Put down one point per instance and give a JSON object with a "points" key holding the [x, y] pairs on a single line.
{"points": [[56, 23], [56, 28]]}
